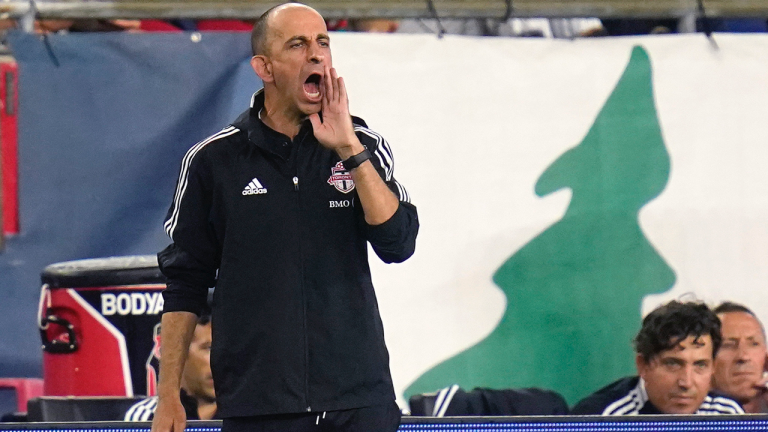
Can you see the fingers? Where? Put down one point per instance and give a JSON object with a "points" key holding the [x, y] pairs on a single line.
{"points": [[328, 84], [169, 416], [763, 382], [333, 85], [163, 425], [178, 426], [335, 79], [343, 92]]}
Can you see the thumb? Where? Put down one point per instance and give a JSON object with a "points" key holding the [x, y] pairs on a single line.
{"points": [[315, 120]]}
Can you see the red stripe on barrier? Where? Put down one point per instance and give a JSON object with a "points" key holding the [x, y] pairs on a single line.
{"points": [[9, 146]]}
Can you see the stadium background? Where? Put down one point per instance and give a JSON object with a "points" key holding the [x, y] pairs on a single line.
{"points": [[670, 171]]}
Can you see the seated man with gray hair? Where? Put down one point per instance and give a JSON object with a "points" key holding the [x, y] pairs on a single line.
{"points": [[740, 363]]}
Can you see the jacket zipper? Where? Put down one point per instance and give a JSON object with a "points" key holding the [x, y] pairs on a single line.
{"points": [[303, 301]]}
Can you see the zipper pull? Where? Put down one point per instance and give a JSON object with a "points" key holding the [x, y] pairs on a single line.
{"points": [[296, 183]]}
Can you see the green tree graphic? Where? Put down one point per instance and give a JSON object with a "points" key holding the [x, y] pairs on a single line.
{"points": [[574, 292]]}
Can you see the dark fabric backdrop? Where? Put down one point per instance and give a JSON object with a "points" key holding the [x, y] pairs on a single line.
{"points": [[104, 120]]}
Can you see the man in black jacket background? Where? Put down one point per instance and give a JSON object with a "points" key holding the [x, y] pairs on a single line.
{"points": [[197, 393], [277, 211]]}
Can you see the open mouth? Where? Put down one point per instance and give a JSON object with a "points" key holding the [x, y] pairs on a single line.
{"points": [[312, 85]]}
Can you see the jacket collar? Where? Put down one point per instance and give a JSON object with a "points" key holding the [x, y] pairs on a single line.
{"points": [[647, 406], [261, 135]]}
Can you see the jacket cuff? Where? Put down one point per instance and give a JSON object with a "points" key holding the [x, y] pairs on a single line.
{"points": [[390, 230], [182, 298], [395, 239]]}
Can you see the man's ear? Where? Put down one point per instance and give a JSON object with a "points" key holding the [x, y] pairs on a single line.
{"points": [[641, 364], [262, 67]]}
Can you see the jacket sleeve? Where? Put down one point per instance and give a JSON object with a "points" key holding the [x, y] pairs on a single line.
{"points": [[591, 405], [191, 261], [395, 239]]}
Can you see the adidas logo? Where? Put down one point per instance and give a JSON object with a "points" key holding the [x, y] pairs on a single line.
{"points": [[254, 188]]}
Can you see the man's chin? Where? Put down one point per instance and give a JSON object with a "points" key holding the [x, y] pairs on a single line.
{"points": [[683, 405], [750, 392], [683, 409], [746, 389], [310, 108]]}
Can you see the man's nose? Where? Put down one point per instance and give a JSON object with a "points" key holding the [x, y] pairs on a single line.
{"points": [[315, 54], [685, 379], [742, 354]]}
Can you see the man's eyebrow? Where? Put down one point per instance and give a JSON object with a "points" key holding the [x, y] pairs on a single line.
{"points": [[305, 38], [297, 38], [671, 360]]}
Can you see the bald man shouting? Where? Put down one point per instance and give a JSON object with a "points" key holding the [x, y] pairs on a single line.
{"points": [[276, 211]]}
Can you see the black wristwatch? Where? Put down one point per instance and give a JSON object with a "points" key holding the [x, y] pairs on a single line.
{"points": [[354, 161]]}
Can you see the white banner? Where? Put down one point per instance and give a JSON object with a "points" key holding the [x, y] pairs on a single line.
{"points": [[666, 183]]}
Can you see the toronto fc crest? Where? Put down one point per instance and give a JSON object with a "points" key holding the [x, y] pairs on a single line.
{"points": [[341, 179]]}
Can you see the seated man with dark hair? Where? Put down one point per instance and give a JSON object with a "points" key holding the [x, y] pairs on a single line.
{"points": [[741, 361], [197, 394], [675, 352]]}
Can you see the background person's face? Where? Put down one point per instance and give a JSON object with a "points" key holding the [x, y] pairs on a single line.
{"points": [[741, 359], [678, 380], [198, 381]]}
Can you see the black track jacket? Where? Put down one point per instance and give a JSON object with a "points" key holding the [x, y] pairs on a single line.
{"points": [[627, 396], [277, 227]]}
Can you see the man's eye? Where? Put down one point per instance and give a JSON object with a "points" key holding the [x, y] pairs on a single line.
{"points": [[296, 45], [323, 44]]}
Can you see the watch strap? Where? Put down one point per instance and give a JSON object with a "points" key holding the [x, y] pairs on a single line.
{"points": [[354, 161]]}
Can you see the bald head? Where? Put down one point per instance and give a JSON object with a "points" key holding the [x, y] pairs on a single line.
{"points": [[263, 27]]}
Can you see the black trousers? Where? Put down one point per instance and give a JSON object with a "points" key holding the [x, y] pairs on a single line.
{"points": [[377, 418]]}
